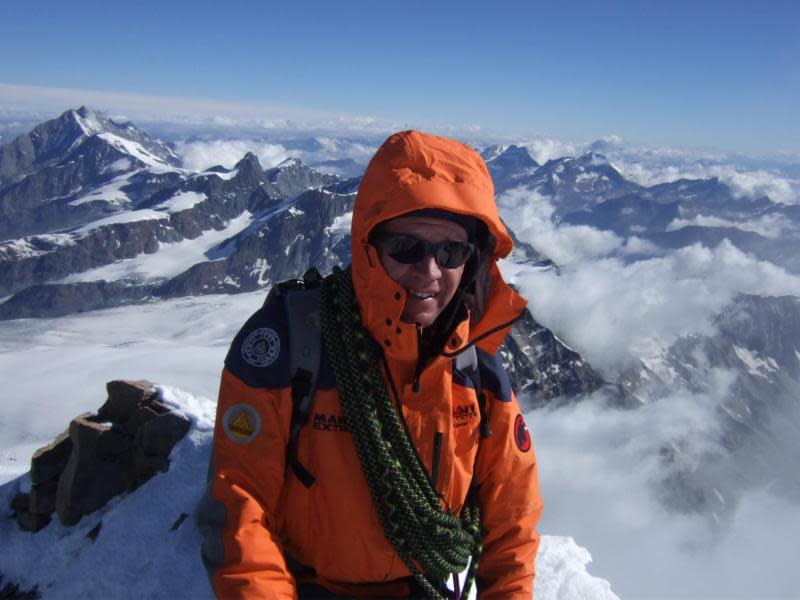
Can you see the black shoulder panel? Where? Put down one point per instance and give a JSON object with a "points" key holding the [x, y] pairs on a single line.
{"points": [[259, 354], [494, 376], [461, 378]]}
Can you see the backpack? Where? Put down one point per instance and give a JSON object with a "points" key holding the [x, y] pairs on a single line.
{"points": [[301, 298]]}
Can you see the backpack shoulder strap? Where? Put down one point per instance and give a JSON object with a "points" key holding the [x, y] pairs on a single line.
{"points": [[305, 348], [467, 362]]}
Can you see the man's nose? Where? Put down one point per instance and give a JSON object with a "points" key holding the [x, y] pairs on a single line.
{"points": [[428, 266]]}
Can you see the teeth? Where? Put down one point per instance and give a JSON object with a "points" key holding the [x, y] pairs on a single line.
{"points": [[420, 295]]}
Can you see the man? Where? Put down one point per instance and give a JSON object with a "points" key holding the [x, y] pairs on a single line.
{"points": [[411, 466]]}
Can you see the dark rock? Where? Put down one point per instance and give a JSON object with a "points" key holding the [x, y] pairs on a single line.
{"points": [[159, 435], [142, 415], [145, 466], [544, 368], [43, 497], [125, 398], [47, 463], [20, 502], [101, 456], [32, 522], [292, 177], [114, 444], [88, 481]]}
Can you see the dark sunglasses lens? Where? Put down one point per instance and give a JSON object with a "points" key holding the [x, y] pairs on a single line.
{"points": [[452, 254], [404, 249], [409, 250]]}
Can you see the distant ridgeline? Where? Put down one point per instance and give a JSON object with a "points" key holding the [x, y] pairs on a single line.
{"points": [[90, 207]]}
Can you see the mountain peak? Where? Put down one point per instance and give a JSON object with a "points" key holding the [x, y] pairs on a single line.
{"points": [[290, 162], [89, 121], [594, 159], [248, 161]]}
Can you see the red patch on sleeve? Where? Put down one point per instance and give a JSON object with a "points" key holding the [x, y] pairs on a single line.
{"points": [[521, 435]]}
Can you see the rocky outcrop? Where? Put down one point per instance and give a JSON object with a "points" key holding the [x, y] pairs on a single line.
{"points": [[101, 456], [292, 177], [542, 368]]}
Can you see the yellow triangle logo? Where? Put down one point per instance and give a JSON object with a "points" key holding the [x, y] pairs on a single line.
{"points": [[241, 426]]}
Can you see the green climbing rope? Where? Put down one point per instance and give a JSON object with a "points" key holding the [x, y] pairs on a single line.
{"points": [[432, 543]]}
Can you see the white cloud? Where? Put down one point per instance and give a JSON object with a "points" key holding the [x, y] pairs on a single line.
{"points": [[531, 214], [612, 312], [204, 154], [544, 149], [770, 226], [190, 114], [339, 148], [648, 170], [601, 472]]}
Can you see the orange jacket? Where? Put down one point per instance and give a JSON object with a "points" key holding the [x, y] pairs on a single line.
{"points": [[265, 530]]}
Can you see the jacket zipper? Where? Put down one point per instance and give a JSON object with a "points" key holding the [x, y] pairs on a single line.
{"points": [[416, 387]]}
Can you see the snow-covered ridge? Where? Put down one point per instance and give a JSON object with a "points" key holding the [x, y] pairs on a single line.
{"points": [[134, 149], [154, 529]]}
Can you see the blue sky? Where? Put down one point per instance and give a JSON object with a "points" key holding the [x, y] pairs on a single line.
{"points": [[722, 75]]}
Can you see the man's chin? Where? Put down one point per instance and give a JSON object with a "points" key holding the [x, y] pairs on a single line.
{"points": [[422, 318]]}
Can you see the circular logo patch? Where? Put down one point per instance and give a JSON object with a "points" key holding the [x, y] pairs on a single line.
{"points": [[241, 423], [521, 435], [261, 347]]}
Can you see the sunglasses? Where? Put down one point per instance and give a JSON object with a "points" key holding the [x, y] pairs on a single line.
{"points": [[408, 250]]}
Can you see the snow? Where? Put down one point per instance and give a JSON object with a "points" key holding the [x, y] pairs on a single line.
{"points": [[295, 212], [225, 176], [123, 164], [150, 560], [60, 366], [661, 367], [169, 261], [755, 366], [598, 161], [135, 149], [291, 244], [23, 248], [89, 124], [259, 268], [563, 563], [111, 192], [181, 201], [131, 216]]}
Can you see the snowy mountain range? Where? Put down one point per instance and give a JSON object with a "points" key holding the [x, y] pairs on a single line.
{"points": [[153, 230], [663, 329]]}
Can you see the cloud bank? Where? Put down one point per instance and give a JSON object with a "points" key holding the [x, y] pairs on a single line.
{"points": [[600, 470], [614, 311], [201, 155]]}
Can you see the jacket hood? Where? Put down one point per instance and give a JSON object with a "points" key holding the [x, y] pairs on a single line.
{"points": [[415, 171]]}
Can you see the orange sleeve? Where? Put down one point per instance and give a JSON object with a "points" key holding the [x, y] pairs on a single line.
{"points": [[510, 504], [241, 548]]}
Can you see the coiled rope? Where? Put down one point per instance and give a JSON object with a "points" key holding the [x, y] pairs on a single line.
{"points": [[432, 543]]}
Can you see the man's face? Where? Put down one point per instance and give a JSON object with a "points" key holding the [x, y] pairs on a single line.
{"points": [[429, 286]]}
